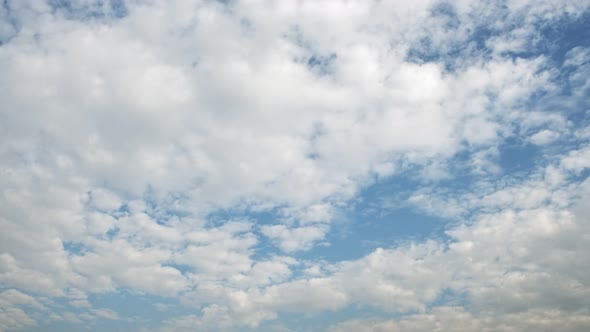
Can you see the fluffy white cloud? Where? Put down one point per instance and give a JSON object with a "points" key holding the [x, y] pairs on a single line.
{"points": [[131, 131], [105, 313], [502, 263], [12, 316], [543, 137], [294, 239]]}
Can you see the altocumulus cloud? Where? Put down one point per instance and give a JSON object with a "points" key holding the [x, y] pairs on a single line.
{"points": [[294, 165]]}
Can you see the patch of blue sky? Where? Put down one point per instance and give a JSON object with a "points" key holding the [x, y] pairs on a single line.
{"points": [[112, 233], [449, 297], [368, 232], [447, 12], [366, 224], [74, 248], [321, 64], [140, 306], [558, 37], [553, 40], [518, 156], [183, 268], [246, 212], [579, 177], [454, 52], [382, 217], [379, 217], [97, 9]]}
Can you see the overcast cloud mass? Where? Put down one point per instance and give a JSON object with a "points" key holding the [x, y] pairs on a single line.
{"points": [[299, 165]]}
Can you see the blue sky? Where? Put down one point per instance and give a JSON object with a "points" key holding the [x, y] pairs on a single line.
{"points": [[337, 166]]}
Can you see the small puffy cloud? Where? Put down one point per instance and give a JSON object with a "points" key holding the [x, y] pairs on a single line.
{"points": [[13, 318], [294, 239], [119, 264], [544, 137], [12, 315], [577, 56], [105, 313], [78, 298], [275, 270]]}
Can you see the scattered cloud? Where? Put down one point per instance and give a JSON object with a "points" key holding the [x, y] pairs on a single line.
{"points": [[216, 160]]}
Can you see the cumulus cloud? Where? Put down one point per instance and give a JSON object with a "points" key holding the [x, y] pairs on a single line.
{"points": [[543, 137], [211, 155], [294, 239]]}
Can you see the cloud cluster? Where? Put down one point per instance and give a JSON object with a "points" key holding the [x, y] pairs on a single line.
{"points": [[203, 152]]}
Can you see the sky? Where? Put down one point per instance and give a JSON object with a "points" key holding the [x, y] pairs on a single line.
{"points": [[296, 165]]}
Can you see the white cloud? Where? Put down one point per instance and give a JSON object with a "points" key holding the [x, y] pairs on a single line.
{"points": [[11, 316], [14, 318], [294, 239], [104, 200], [117, 263], [121, 137], [544, 137], [105, 313], [502, 262]]}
